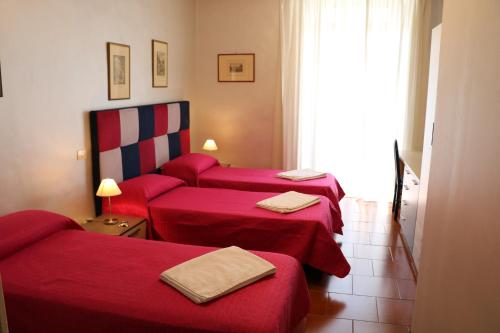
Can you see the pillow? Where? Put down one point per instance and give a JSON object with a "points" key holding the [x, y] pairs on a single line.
{"points": [[188, 167], [138, 191], [151, 185], [20, 230]]}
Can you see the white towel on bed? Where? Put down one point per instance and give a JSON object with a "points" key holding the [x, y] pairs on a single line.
{"points": [[302, 174], [217, 273], [288, 202]]}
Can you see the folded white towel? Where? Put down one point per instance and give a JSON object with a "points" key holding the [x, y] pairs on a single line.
{"points": [[217, 273], [288, 202], [302, 174]]}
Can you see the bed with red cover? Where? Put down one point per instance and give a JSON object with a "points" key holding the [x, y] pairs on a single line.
{"points": [[128, 142], [58, 278], [131, 144], [205, 171], [223, 217]]}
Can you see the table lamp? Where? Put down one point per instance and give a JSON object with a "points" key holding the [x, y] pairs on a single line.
{"points": [[108, 188], [210, 145]]}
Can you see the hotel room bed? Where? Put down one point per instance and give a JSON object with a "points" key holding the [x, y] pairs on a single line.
{"points": [[223, 217], [132, 141], [131, 144], [205, 171], [58, 278]]}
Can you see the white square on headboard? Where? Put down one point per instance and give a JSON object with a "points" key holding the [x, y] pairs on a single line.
{"points": [[174, 118], [129, 126], [162, 151], [110, 163]]}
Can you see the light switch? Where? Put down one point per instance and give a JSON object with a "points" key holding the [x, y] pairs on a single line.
{"points": [[81, 154]]}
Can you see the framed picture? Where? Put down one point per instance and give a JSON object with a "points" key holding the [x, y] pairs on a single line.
{"points": [[160, 63], [236, 67], [118, 71]]}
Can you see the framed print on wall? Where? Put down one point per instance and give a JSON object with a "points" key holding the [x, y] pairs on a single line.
{"points": [[118, 71], [236, 67], [160, 63]]}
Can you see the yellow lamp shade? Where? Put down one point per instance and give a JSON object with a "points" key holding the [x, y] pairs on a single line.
{"points": [[108, 188], [210, 145]]}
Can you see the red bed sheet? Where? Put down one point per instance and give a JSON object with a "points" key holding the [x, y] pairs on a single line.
{"points": [[76, 281], [265, 180], [223, 217]]}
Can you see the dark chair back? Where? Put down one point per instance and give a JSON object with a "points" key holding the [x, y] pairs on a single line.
{"points": [[398, 182], [397, 161]]}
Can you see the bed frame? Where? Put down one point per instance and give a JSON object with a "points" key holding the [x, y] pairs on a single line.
{"points": [[132, 141]]}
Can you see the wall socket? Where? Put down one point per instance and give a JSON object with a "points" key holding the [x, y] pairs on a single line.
{"points": [[81, 154]]}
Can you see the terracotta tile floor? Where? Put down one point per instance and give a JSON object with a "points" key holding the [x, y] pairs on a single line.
{"points": [[378, 295]]}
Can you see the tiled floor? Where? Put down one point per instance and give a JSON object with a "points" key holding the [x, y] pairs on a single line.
{"points": [[378, 295]]}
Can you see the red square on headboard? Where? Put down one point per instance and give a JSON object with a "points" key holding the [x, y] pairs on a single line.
{"points": [[185, 142], [147, 156], [161, 119], [109, 130]]}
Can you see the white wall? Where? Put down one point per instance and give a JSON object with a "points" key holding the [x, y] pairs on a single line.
{"points": [[458, 289], [243, 118], [431, 17], [53, 58]]}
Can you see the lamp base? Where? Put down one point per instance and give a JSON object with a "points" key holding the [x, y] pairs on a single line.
{"points": [[111, 221]]}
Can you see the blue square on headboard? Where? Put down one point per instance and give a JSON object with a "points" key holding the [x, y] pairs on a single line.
{"points": [[131, 165], [146, 122], [184, 115], [174, 145]]}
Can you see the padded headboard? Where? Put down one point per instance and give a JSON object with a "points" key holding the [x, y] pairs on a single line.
{"points": [[132, 141]]}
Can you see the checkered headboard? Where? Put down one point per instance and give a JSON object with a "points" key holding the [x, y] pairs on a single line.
{"points": [[129, 142]]}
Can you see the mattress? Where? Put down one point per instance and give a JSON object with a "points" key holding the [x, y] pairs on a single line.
{"points": [[58, 278], [223, 217], [265, 180]]}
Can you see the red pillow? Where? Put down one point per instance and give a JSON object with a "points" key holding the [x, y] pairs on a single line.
{"points": [[138, 191], [188, 167], [151, 185], [21, 229]]}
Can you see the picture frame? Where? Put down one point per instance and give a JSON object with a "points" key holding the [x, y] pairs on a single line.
{"points": [[159, 58], [236, 67], [118, 58]]}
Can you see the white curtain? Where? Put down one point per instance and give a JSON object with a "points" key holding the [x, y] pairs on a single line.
{"points": [[291, 33], [345, 88]]}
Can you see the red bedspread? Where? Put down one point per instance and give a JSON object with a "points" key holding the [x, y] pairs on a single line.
{"points": [[265, 180], [222, 217], [75, 281]]}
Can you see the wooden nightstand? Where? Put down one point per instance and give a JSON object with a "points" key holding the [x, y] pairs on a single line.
{"points": [[136, 226]]}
